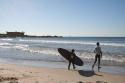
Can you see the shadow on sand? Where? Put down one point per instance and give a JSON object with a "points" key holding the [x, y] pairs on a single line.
{"points": [[87, 73]]}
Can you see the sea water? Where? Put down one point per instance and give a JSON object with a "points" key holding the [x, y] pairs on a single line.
{"points": [[42, 52]]}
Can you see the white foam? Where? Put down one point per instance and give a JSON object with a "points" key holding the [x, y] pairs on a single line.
{"points": [[57, 41], [88, 56], [25, 47], [73, 42], [52, 51], [6, 39], [4, 44], [48, 52], [114, 44], [17, 46]]}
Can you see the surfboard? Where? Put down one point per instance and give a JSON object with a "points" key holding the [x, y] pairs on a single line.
{"points": [[67, 55]]}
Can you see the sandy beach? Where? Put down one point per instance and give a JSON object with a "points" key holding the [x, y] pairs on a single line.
{"points": [[24, 60], [10, 73], [41, 39]]}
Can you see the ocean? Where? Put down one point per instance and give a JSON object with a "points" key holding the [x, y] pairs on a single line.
{"points": [[42, 52]]}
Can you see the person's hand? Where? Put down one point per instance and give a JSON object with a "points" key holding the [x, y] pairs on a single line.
{"points": [[72, 57], [101, 55]]}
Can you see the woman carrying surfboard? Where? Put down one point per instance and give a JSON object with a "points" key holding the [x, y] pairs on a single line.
{"points": [[98, 55]]}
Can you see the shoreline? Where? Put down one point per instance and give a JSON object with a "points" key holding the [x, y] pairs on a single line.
{"points": [[28, 74], [116, 70]]}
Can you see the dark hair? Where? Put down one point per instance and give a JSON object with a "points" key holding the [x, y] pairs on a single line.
{"points": [[97, 43], [73, 50]]}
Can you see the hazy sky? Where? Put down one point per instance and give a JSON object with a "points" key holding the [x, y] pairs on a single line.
{"points": [[64, 17]]}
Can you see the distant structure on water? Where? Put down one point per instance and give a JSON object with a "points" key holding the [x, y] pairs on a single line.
{"points": [[22, 34], [15, 34]]}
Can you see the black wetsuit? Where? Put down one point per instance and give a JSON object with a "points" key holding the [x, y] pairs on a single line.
{"points": [[71, 61], [99, 58]]}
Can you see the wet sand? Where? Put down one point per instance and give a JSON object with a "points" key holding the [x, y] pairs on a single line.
{"points": [[10, 73]]}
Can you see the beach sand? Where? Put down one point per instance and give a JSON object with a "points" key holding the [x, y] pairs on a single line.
{"points": [[10, 73]]}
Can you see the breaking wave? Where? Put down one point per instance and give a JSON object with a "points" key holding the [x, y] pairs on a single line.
{"points": [[73, 42], [53, 51]]}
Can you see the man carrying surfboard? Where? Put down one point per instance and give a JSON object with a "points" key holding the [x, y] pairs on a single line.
{"points": [[98, 55], [71, 59]]}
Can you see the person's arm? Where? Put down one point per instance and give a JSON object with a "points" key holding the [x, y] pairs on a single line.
{"points": [[100, 52], [94, 50]]}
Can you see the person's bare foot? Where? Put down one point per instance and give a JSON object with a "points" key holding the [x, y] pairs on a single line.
{"points": [[74, 67], [99, 69], [92, 67]]}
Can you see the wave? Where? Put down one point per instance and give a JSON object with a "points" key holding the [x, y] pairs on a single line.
{"points": [[6, 39], [74, 42], [4, 44], [54, 52], [122, 44], [105, 57], [25, 47], [9, 45], [114, 44]]}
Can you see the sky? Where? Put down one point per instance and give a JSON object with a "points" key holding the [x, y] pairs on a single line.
{"points": [[64, 17]]}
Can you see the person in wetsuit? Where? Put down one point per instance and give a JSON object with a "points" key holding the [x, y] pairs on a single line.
{"points": [[98, 55], [71, 59]]}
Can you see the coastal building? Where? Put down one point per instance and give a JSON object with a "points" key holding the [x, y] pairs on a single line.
{"points": [[22, 34], [15, 34]]}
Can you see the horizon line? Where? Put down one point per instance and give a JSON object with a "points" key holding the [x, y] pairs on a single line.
{"points": [[59, 35]]}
